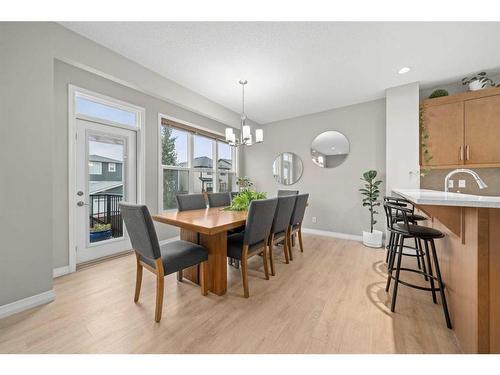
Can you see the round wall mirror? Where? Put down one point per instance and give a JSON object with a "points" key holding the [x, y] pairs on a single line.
{"points": [[329, 149], [287, 168]]}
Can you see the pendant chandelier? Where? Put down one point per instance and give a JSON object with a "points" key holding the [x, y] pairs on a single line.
{"points": [[245, 138]]}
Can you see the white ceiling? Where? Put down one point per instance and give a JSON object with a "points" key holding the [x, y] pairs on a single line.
{"points": [[300, 67]]}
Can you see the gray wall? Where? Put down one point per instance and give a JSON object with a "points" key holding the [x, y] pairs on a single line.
{"points": [[64, 75], [334, 197], [33, 196], [26, 115]]}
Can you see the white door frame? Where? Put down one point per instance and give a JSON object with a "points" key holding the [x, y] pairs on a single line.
{"points": [[140, 130]]}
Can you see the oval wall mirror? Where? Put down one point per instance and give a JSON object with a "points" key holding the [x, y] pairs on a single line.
{"points": [[287, 168], [329, 149]]}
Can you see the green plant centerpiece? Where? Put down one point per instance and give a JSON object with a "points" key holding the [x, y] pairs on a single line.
{"points": [[371, 194], [241, 202]]}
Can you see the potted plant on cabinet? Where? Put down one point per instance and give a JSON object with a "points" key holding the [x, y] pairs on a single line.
{"points": [[478, 82], [371, 193]]}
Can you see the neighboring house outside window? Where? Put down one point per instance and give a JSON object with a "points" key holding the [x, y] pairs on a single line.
{"points": [[95, 167], [187, 164], [108, 178]]}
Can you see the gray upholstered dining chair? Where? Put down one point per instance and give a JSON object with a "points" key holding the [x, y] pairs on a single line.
{"points": [[281, 226], [296, 222], [219, 199], [187, 202], [254, 239], [283, 193], [161, 260]]}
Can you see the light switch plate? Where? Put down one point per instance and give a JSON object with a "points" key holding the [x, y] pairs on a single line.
{"points": [[314, 219], [461, 183], [450, 183]]}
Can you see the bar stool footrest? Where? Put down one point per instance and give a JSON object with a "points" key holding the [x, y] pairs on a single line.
{"points": [[417, 286]]}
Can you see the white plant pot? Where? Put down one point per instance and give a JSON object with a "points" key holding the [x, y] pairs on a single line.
{"points": [[372, 239], [475, 86]]}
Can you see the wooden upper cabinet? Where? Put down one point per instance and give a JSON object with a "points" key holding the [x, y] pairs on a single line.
{"points": [[482, 130], [445, 126]]}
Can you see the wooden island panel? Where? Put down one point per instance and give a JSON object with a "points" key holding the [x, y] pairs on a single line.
{"points": [[469, 257]]}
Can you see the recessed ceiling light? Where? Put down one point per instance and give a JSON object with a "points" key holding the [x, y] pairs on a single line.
{"points": [[404, 70]]}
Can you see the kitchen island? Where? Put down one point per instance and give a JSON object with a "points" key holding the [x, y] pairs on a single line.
{"points": [[469, 257]]}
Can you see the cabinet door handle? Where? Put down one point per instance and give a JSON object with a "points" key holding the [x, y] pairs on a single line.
{"points": [[467, 148], [461, 152]]}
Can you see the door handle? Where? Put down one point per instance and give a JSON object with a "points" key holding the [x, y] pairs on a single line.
{"points": [[81, 204], [461, 152], [467, 148]]}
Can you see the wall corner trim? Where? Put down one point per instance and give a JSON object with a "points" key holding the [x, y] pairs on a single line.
{"points": [[27, 303], [60, 271], [327, 233]]}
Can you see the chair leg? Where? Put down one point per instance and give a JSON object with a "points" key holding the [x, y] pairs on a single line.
{"points": [[290, 245], [160, 278], [271, 256], [418, 257], [244, 271], [392, 257], [204, 278], [441, 286], [138, 279], [396, 280], [300, 240], [421, 255], [179, 275], [429, 264], [389, 247], [285, 247], [264, 261]]}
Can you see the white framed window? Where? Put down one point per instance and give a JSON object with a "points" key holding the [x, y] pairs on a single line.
{"points": [[88, 106], [95, 167], [187, 162]]}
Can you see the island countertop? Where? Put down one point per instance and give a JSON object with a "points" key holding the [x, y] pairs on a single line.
{"points": [[441, 198]]}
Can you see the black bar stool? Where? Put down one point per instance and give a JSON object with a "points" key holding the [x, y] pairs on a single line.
{"points": [[403, 230], [413, 218]]}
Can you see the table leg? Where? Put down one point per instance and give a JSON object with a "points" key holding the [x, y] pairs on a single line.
{"points": [[216, 245]]}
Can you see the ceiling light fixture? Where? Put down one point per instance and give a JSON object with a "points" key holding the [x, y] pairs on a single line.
{"points": [[404, 70], [245, 138]]}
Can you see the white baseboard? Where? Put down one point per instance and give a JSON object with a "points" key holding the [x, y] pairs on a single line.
{"points": [[327, 233], [27, 303], [176, 238], [60, 271]]}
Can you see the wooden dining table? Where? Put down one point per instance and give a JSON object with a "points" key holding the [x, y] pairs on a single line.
{"points": [[207, 227]]}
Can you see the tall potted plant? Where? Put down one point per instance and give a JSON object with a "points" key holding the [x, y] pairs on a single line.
{"points": [[371, 193]]}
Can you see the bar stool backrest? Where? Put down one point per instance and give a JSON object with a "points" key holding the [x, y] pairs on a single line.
{"points": [[394, 211]]}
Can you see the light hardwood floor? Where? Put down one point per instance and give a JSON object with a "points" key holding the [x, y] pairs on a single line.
{"points": [[329, 299]]}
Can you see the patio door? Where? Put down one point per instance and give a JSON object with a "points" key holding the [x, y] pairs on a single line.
{"points": [[106, 173]]}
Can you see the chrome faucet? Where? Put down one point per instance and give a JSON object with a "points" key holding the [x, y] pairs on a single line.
{"points": [[478, 179]]}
